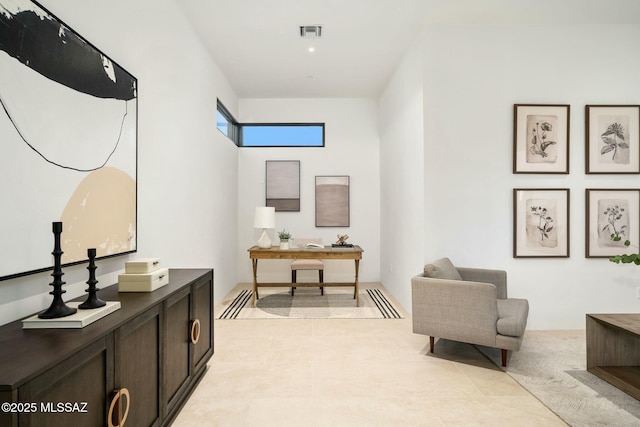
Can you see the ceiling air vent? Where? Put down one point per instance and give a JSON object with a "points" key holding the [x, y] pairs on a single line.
{"points": [[311, 31]]}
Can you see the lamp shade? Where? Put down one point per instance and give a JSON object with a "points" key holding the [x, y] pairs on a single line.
{"points": [[265, 217]]}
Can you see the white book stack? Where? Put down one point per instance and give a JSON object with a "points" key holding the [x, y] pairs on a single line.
{"points": [[79, 319], [142, 275]]}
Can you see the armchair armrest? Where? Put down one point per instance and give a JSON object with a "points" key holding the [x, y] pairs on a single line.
{"points": [[453, 309], [496, 277]]}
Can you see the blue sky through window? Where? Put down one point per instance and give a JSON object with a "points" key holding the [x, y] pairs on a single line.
{"points": [[286, 135], [222, 123]]}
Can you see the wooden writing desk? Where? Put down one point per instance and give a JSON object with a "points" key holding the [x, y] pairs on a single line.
{"points": [[327, 252]]}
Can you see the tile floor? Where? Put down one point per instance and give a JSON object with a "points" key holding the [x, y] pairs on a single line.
{"points": [[287, 372]]}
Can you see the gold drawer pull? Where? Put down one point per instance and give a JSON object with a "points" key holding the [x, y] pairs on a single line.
{"points": [[195, 331], [115, 399]]}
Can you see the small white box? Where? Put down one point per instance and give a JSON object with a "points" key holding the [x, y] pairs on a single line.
{"points": [[147, 282], [143, 265]]}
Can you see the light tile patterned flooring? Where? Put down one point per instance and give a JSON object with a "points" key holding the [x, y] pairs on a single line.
{"points": [[352, 373]]}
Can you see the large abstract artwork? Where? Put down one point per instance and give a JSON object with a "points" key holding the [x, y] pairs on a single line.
{"points": [[68, 130]]}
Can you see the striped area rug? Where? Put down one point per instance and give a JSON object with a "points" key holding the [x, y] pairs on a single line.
{"points": [[336, 303]]}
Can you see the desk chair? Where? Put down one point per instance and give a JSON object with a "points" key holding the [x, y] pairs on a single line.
{"points": [[307, 264]]}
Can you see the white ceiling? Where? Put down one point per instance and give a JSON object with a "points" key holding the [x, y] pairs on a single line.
{"points": [[257, 44]]}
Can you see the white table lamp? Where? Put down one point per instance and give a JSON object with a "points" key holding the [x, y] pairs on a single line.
{"points": [[265, 218]]}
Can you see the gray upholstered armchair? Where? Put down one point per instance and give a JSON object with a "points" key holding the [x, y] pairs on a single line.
{"points": [[468, 305]]}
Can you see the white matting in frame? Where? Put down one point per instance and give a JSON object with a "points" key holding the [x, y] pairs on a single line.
{"points": [[541, 223], [611, 212], [541, 138], [612, 139]]}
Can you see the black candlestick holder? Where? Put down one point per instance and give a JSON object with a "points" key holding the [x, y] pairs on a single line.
{"points": [[57, 308], [92, 300]]}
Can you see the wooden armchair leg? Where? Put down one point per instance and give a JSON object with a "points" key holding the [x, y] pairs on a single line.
{"points": [[431, 341], [321, 279], [504, 357]]}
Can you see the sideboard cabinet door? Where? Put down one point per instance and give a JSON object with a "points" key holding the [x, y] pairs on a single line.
{"points": [[203, 313], [177, 374], [72, 393], [137, 369]]}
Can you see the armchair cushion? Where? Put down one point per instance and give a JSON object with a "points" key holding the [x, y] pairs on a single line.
{"points": [[442, 269], [512, 316]]}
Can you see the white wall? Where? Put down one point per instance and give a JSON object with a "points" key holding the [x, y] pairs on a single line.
{"points": [[187, 170], [351, 148], [473, 74], [402, 192]]}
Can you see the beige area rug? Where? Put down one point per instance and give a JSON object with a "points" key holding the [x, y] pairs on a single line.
{"points": [[307, 303], [551, 365]]}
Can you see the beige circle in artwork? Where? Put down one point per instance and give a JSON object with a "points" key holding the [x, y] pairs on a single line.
{"points": [[100, 214]]}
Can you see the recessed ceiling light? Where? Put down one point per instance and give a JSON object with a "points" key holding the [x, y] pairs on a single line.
{"points": [[311, 31], [311, 49]]}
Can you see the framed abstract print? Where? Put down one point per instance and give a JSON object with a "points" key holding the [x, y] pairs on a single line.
{"points": [[332, 201], [68, 128], [283, 185]]}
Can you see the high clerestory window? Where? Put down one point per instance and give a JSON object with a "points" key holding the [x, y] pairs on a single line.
{"points": [[269, 134]]}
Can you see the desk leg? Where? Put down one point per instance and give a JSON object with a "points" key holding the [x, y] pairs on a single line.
{"points": [[254, 292], [356, 293]]}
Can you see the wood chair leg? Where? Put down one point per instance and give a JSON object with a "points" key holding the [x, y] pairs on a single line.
{"points": [[431, 342], [504, 357], [321, 278], [293, 280]]}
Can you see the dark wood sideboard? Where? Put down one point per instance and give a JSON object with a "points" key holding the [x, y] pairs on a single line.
{"points": [[613, 350], [141, 361]]}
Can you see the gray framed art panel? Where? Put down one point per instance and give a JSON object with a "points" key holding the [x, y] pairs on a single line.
{"points": [[283, 185], [332, 201]]}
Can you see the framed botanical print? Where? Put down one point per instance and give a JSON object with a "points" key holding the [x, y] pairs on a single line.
{"points": [[612, 139], [541, 138], [541, 223], [612, 217]]}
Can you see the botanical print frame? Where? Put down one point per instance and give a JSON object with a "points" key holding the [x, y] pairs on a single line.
{"points": [[283, 185], [611, 212], [541, 138], [612, 139], [541, 222], [332, 201], [68, 128]]}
